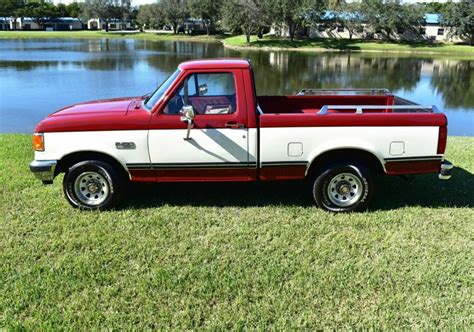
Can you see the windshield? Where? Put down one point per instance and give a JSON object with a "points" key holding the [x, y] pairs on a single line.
{"points": [[155, 96]]}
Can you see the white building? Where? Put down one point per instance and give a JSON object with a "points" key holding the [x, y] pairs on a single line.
{"points": [[432, 30], [113, 25], [52, 24], [5, 23]]}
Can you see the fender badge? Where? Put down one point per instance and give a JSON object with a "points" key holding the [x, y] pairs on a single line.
{"points": [[125, 145]]}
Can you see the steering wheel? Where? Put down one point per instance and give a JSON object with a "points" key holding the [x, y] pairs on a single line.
{"points": [[175, 105]]}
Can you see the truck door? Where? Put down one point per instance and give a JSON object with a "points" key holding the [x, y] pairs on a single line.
{"points": [[217, 148]]}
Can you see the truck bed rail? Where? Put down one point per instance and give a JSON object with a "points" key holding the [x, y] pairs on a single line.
{"points": [[318, 92], [359, 109]]}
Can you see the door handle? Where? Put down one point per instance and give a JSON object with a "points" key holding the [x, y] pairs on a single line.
{"points": [[234, 125]]}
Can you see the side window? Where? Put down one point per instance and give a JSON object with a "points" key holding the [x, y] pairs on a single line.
{"points": [[212, 93]]}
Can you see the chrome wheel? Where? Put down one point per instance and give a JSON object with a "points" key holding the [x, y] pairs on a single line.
{"points": [[345, 189], [91, 188]]}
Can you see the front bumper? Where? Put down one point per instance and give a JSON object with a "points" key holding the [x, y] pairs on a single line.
{"points": [[446, 170], [44, 170]]}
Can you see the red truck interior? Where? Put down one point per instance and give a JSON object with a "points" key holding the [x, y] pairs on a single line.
{"points": [[312, 104], [203, 104]]}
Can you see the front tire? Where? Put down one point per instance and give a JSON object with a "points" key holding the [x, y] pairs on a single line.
{"points": [[93, 185], [343, 188]]}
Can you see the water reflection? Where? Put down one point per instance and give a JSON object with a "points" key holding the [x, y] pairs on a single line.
{"points": [[291, 72], [455, 81], [54, 73], [103, 63]]}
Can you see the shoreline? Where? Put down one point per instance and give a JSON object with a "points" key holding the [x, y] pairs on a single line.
{"points": [[86, 34], [267, 44], [345, 46], [336, 50]]}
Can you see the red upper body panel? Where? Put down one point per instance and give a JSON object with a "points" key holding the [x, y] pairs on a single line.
{"points": [[353, 120], [279, 111]]}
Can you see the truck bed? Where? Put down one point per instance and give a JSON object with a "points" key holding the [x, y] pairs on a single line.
{"points": [[313, 104], [379, 107], [333, 100], [297, 128]]}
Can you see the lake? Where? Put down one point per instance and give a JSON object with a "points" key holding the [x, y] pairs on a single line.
{"points": [[38, 77]]}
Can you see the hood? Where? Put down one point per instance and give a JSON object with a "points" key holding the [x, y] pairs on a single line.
{"points": [[118, 106], [107, 114]]}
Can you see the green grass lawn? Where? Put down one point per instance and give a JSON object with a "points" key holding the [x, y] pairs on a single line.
{"points": [[236, 256], [307, 44], [85, 34]]}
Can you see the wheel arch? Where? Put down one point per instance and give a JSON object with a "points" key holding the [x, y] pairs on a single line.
{"points": [[73, 158], [368, 158]]}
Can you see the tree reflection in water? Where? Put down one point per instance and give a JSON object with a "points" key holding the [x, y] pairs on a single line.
{"points": [[289, 72], [455, 82]]}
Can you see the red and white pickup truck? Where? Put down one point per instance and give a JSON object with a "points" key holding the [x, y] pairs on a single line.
{"points": [[206, 123]]}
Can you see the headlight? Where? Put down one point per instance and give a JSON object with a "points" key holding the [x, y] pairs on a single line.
{"points": [[38, 142]]}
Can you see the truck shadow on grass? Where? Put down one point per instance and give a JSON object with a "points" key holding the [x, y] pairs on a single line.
{"points": [[391, 193]]}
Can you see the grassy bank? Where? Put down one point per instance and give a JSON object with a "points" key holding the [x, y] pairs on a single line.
{"points": [[101, 34], [266, 43], [230, 256], [318, 45]]}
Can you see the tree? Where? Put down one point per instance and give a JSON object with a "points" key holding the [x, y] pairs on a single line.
{"points": [[296, 13], [73, 9], [61, 10], [435, 7], [125, 11], [391, 16], [133, 14], [8, 7], [11, 8], [460, 18], [350, 17], [207, 10], [334, 4], [106, 10], [175, 12], [151, 16], [40, 12], [380, 15], [248, 16], [44, 13], [412, 18]]}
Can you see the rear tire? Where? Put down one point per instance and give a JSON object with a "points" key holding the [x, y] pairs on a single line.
{"points": [[343, 188], [94, 185]]}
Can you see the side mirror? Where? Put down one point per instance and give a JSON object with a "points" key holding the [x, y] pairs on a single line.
{"points": [[187, 116], [202, 89]]}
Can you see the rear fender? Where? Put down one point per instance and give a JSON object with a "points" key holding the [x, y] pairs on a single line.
{"points": [[342, 144]]}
